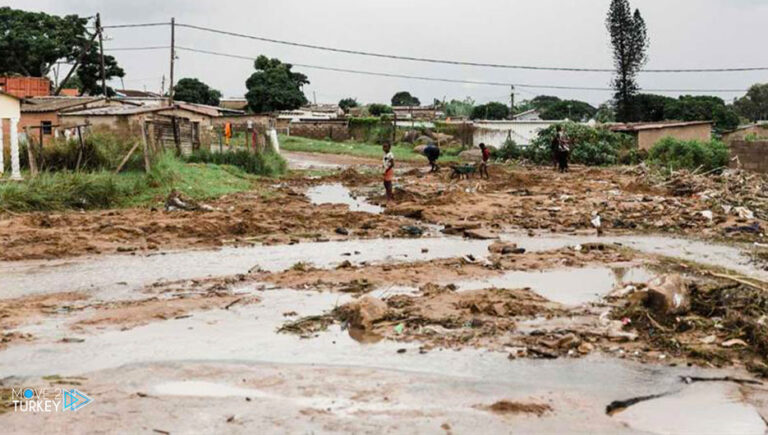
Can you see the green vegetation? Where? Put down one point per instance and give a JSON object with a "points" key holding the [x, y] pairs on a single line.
{"points": [[493, 110], [193, 90], [269, 163], [33, 42], [274, 86], [347, 103], [377, 109], [590, 146], [105, 189], [676, 154], [754, 105], [629, 38], [360, 149], [404, 98], [101, 151]]}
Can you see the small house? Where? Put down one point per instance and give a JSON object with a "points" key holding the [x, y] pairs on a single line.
{"points": [[10, 112], [647, 134]]}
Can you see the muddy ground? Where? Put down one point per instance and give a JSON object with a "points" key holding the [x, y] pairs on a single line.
{"points": [[602, 300]]}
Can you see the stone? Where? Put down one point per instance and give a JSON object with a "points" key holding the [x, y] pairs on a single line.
{"points": [[734, 343], [460, 227], [480, 234], [366, 311], [342, 231], [668, 295]]}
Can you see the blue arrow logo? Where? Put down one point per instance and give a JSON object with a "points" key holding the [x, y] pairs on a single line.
{"points": [[74, 400]]}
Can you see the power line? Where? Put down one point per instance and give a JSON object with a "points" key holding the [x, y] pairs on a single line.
{"points": [[156, 47], [448, 80], [126, 26], [456, 62]]}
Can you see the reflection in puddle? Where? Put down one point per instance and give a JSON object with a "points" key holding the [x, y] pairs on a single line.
{"points": [[336, 193], [698, 409], [566, 286]]}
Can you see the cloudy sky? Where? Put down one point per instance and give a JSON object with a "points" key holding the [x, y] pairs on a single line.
{"points": [[562, 33]]}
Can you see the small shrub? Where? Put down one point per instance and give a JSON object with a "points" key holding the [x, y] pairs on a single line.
{"points": [[590, 146], [268, 163], [509, 151], [57, 191], [670, 153]]}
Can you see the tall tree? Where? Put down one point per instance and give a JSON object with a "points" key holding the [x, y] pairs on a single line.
{"points": [[404, 98], [194, 91], [492, 110], [629, 38], [347, 103], [574, 110], [754, 105], [32, 42], [274, 86]]}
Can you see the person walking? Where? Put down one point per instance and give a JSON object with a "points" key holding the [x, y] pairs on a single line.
{"points": [[486, 153], [388, 164], [563, 149], [432, 152]]}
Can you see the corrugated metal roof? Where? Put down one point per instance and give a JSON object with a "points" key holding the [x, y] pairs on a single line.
{"points": [[122, 110], [655, 125], [54, 104]]}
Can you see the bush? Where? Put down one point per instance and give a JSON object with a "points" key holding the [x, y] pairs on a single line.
{"points": [[268, 163], [693, 154], [57, 191], [590, 146], [509, 151], [377, 109], [101, 151]]}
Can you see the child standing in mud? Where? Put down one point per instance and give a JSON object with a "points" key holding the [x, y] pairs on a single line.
{"points": [[486, 153], [563, 149], [388, 165]]}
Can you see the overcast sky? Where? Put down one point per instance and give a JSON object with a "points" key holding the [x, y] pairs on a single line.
{"points": [[564, 33]]}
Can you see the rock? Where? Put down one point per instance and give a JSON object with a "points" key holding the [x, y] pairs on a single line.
{"points": [[419, 149], [734, 343], [498, 247], [423, 140], [480, 234], [708, 339], [668, 295], [411, 136], [366, 311], [586, 348], [412, 230], [411, 211], [343, 231], [473, 155], [568, 341], [460, 227]]}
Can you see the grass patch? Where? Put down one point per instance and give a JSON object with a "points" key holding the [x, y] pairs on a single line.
{"points": [[269, 164], [104, 189], [358, 149]]}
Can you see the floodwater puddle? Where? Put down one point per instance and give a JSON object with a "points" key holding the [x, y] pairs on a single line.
{"points": [[716, 408], [336, 193], [566, 286], [732, 257]]}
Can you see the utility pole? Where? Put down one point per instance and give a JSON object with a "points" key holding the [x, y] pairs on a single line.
{"points": [[173, 58], [512, 103], [162, 86], [101, 52], [314, 97]]}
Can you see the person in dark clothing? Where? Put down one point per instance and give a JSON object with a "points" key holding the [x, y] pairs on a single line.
{"points": [[486, 153], [563, 149], [432, 152]]}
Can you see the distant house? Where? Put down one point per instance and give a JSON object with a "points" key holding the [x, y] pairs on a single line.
{"points": [[333, 111], [234, 103], [10, 112], [25, 87], [758, 130], [195, 122], [132, 93], [40, 116], [496, 133], [649, 133], [423, 113], [528, 115]]}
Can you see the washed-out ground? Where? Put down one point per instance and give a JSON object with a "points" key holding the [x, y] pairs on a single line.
{"points": [[310, 305]]}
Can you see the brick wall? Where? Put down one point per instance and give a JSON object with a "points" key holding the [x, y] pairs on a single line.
{"points": [[753, 156], [334, 130]]}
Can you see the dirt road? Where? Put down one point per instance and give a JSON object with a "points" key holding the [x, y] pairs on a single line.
{"points": [[308, 305]]}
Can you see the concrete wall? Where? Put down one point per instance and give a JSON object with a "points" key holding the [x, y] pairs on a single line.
{"points": [[646, 139], [495, 133], [9, 108], [752, 156], [761, 131], [334, 130]]}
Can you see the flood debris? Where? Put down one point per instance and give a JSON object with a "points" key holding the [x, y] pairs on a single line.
{"points": [[620, 405], [176, 201], [513, 407]]}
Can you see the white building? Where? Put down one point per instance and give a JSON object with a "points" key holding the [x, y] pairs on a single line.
{"points": [[10, 112], [496, 133]]}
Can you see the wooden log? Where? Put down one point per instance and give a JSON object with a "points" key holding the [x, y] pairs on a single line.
{"points": [[127, 156]]}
